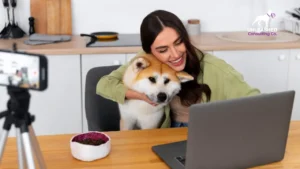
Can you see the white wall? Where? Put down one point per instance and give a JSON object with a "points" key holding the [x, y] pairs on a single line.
{"points": [[125, 16]]}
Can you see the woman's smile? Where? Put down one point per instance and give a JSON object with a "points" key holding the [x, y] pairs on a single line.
{"points": [[177, 62]]}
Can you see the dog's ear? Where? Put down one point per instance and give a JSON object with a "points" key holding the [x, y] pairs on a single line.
{"points": [[140, 63], [184, 77]]}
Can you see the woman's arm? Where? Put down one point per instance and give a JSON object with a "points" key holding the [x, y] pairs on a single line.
{"points": [[235, 86], [111, 86], [131, 94]]}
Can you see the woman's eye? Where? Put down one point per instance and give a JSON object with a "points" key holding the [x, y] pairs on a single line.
{"points": [[178, 42], [162, 51]]}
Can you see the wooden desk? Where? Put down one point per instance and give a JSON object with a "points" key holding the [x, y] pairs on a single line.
{"points": [[132, 150]]}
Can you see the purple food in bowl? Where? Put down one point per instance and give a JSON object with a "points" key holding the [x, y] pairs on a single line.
{"points": [[90, 146], [91, 138]]}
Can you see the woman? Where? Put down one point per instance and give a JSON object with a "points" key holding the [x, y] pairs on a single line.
{"points": [[164, 36]]}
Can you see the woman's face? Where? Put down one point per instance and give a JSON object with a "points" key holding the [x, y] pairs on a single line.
{"points": [[170, 49]]}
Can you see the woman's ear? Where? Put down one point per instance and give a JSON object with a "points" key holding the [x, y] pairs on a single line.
{"points": [[184, 77]]}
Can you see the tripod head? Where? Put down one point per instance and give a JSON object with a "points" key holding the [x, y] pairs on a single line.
{"points": [[19, 100], [18, 104]]}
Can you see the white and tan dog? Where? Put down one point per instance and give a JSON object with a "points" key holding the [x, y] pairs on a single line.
{"points": [[159, 82]]}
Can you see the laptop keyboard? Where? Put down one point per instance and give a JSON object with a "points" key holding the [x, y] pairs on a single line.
{"points": [[181, 159]]}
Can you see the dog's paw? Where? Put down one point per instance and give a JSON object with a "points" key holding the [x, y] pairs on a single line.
{"points": [[140, 64]]}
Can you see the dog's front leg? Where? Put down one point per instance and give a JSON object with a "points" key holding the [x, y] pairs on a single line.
{"points": [[150, 121], [127, 123], [149, 125]]}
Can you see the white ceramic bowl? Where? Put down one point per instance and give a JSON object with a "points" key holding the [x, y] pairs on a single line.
{"points": [[85, 152]]}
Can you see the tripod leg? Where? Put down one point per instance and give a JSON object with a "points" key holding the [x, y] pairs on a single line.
{"points": [[36, 148], [27, 146], [3, 140], [21, 155], [6, 127], [28, 150]]}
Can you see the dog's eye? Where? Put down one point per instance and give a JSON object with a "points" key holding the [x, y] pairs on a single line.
{"points": [[152, 79], [167, 81]]}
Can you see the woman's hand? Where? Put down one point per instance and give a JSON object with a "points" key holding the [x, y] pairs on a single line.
{"points": [[146, 99], [130, 94]]}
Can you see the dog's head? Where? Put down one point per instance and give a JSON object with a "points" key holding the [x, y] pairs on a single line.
{"points": [[157, 80]]}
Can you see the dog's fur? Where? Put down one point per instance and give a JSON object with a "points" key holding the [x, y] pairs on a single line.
{"points": [[148, 75]]}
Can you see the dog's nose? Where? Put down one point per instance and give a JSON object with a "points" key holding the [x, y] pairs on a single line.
{"points": [[161, 97]]}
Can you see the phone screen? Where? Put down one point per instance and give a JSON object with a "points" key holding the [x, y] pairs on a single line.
{"points": [[19, 70]]}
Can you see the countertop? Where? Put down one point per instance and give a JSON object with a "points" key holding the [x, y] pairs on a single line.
{"points": [[207, 41]]}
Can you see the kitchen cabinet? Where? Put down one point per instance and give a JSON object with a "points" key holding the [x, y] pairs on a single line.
{"points": [[96, 60], [264, 69], [58, 109], [294, 81]]}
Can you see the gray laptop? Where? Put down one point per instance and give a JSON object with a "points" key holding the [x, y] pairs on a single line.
{"points": [[233, 134]]}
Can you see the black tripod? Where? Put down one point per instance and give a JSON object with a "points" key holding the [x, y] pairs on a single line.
{"points": [[18, 115]]}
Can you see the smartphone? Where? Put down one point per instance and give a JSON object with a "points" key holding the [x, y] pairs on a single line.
{"points": [[23, 70]]}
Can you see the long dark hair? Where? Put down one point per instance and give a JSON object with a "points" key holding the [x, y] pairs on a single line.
{"points": [[151, 26]]}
